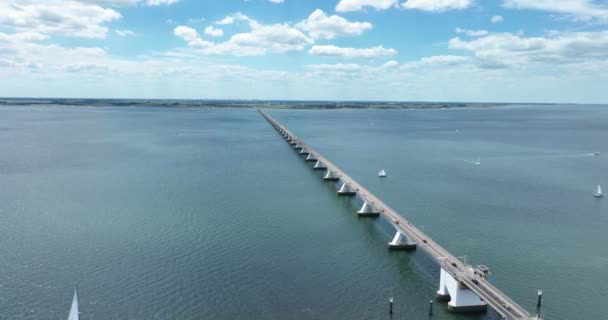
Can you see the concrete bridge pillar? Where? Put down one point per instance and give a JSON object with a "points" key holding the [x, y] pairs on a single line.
{"points": [[346, 190], [319, 166], [331, 176], [298, 146], [303, 151], [293, 142], [460, 297], [367, 210], [401, 242], [310, 157]]}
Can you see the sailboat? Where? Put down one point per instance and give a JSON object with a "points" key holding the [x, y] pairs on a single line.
{"points": [[74, 315], [382, 173], [478, 161], [598, 192]]}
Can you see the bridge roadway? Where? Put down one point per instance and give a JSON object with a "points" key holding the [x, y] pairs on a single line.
{"points": [[463, 273]]}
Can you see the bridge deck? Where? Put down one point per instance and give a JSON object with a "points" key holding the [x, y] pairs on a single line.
{"points": [[463, 273]]}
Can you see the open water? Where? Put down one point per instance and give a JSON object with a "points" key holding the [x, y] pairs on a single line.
{"points": [[163, 213]]}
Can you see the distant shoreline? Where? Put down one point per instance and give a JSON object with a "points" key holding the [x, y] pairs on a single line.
{"points": [[270, 104]]}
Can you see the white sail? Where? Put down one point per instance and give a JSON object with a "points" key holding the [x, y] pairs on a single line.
{"points": [[74, 309], [382, 173], [599, 190]]}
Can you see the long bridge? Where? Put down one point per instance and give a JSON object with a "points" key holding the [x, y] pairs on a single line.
{"points": [[464, 286]]}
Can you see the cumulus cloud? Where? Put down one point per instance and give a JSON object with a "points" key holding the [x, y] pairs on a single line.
{"points": [[160, 2], [508, 50], [437, 5], [260, 40], [191, 37], [496, 19], [390, 64], [356, 5], [232, 18], [56, 17], [320, 25], [23, 36], [472, 33], [277, 1], [585, 10], [346, 52], [214, 32]]}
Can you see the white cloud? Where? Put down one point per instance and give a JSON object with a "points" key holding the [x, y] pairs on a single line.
{"points": [[356, 5], [511, 50], [57, 17], [496, 19], [277, 1], [472, 33], [320, 25], [390, 64], [345, 52], [584, 10], [424, 5], [191, 37], [266, 38], [124, 33], [30, 68], [262, 39], [160, 2], [23, 36], [55, 70], [117, 3], [437, 5], [214, 32], [232, 18], [436, 61], [125, 3]]}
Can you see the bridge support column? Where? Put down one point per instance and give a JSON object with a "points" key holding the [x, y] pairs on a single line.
{"points": [[461, 298], [331, 176], [303, 151], [346, 190], [401, 242], [310, 157], [298, 146], [293, 142], [367, 210], [319, 166], [442, 293]]}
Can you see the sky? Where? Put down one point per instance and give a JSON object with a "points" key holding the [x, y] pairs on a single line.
{"points": [[338, 50]]}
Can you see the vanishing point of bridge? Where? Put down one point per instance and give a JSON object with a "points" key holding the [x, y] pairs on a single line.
{"points": [[463, 285]]}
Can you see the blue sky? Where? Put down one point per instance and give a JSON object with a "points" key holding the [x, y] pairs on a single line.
{"points": [[406, 50]]}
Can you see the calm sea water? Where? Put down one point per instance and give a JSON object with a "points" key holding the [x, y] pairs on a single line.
{"points": [[208, 214]]}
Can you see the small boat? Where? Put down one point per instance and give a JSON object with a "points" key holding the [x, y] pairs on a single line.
{"points": [[598, 192], [478, 161], [596, 153], [74, 315], [382, 173]]}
